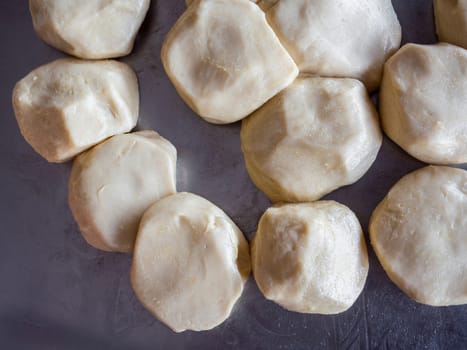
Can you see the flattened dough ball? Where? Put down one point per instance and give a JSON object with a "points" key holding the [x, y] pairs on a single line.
{"points": [[190, 263], [224, 59], [315, 136], [451, 21], [69, 105], [113, 184], [419, 233], [423, 102], [335, 38], [310, 257], [91, 29]]}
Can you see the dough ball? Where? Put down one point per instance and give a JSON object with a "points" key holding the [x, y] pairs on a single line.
{"points": [[310, 257], [113, 184], [225, 60], [317, 135], [451, 21], [92, 29], [69, 105], [334, 38], [190, 263], [423, 102], [419, 233]]}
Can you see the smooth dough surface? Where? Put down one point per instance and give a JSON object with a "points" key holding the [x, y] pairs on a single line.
{"points": [[419, 233], [69, 105], [423, 102], [315, 136], [112, 185], [224, 59], [91, 29], [335, 38], [190, 263], [310, 257], [451, 21]]}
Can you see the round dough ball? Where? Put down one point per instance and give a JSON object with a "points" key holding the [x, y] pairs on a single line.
{"points": [[317, 135], [190, 263], [451, 21], [335, 38], [92, 29], [225, 60], [419, 233], [423, 102], [310, 257], [69, 105], [113, 184]]}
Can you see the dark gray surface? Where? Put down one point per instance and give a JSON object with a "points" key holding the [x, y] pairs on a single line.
{"points": [[56, 292]]}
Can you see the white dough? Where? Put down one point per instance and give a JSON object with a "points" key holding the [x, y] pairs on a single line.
{"points": [[92, 29], [419, 233], [310, 257], [190, 263], [423, 102], [225, 60], [69, 105], [317, 135], [451, 21], [112, 185], [335, 38]]}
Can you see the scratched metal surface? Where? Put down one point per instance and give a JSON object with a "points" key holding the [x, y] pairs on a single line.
{"points": [[56, 292]]}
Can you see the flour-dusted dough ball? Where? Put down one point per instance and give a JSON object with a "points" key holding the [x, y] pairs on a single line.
{"points": [[112, 185], [423, 102], [335, 38], [419, 233], [451, 21], [310, 257], [69, 105], [317, 135], [225, 60], [190, 263], [92, 29]]}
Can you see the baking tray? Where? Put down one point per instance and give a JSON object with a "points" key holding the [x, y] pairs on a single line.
{"points": [[56, 292]]}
